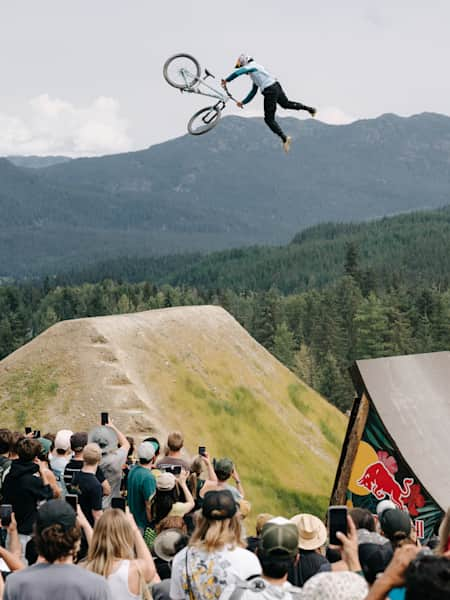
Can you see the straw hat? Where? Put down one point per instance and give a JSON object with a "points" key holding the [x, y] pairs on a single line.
{"points": [[312, 533]]}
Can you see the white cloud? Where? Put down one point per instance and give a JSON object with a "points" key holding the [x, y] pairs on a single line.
{"points": [[334, 116], [55, 126]]}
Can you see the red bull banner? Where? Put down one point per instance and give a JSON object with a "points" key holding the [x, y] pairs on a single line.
{"points": [[380, 473]]}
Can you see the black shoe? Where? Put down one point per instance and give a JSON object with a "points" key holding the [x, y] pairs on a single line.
{"points": [[312, 111]]}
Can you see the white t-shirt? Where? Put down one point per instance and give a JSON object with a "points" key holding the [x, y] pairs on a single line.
{"points": [[210, 572]]}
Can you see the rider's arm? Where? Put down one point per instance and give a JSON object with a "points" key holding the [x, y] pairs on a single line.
{"points": [[240, 71], [249, 97]]}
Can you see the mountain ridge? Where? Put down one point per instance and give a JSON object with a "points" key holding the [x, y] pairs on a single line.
{"points": [[232, 187]]}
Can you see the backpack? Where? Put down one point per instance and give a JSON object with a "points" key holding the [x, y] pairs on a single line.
{"points": [[5, 466], [259, 585]]}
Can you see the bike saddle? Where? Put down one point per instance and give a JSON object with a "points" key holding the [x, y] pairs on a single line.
{"points": [[208, 74]]}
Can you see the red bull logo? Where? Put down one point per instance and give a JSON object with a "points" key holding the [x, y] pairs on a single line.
{"points": [[381, 483]]}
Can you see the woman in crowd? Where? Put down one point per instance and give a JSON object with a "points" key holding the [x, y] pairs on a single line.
{"points": [[118, 552], [166, 502], [195, 481], [215, 555]]}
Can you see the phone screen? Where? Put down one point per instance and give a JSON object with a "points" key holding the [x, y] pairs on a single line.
{"points": [[104, 418], [202, 450], [5, 514], [119, 503], [28, 430], [72, 499], [337, 521]]}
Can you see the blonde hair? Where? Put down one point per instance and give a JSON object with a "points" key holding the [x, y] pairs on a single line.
{"points": [[444, 533], [213, 535], [92, 454], [175, 441], [112, 539]]}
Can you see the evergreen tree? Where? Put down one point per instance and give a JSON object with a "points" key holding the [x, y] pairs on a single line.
{"points": [[265, 319], [372, 328], [352, 260], [283, 345]]}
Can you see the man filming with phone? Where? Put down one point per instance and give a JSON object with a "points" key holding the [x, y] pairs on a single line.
{"points": [[173, 455]]}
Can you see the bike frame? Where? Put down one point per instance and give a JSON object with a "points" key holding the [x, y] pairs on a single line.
{"points": [[194, 89]]}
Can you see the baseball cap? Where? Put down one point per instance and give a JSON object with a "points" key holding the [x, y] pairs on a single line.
{"points": [[219, 505], [78, 441], [279, 537], [45, 445], [166, 481], [62, 439], [56, 512], [146, 451], [312, 533], [393, 520], [223, 467], [384, 505], [374, 559]]}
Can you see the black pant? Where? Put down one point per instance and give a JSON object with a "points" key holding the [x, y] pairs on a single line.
{"points": [[274, 95]]}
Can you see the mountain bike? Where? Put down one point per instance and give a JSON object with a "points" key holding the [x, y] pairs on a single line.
{"points": [[183, 72]]}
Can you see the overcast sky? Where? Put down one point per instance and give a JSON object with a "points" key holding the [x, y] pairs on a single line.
{"points": [[84, 77]]}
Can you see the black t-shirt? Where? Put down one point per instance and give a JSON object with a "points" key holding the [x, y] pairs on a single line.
{"points": [[23, 488], [75, 466], [89, 492]]}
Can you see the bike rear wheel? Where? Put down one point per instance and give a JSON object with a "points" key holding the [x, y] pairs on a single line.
{"points": [[182, 71], [204, 120]]}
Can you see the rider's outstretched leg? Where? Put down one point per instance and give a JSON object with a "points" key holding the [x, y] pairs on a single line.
{"points": [[284, 102]]}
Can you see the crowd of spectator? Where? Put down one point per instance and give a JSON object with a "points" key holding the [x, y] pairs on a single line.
{"points": [[92, 516]]}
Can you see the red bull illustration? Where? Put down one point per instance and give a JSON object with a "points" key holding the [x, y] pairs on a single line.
{"points": [[380, 482], [379, 472]]}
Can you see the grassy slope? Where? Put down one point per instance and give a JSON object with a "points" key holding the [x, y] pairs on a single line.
{"points": [[219, 387]]}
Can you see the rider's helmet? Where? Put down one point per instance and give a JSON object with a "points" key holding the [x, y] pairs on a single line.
{"points": [[242, 60]]}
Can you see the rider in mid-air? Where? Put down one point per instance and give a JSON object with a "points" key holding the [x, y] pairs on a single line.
{"points": [[271, 90]]}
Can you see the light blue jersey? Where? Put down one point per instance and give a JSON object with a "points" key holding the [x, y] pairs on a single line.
{"points": [[261, 78]]}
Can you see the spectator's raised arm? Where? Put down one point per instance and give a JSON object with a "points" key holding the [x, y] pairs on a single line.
{"points": [[12, 555]]}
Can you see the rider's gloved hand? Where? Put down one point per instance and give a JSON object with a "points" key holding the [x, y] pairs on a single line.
{"points": [[224, 83], [239, 104]]}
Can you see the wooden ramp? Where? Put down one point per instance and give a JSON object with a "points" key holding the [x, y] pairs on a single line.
{"points": [[397, 444]]}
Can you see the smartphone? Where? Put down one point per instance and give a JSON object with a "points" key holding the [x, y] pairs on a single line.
{"points": [[36, 434], [202, 450], [5, 514], [337, 521], [176, 469], [28, 430], [72, 499], [104, 418], [119, 503]]}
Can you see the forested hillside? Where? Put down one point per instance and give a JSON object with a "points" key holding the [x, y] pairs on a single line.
{"points": [[412, 249], [317, 333], [189, 195]]}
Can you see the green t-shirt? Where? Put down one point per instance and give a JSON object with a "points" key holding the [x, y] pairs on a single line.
{"points": [[141, 486]]}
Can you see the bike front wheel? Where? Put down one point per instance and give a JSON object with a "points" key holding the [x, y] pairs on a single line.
{"points": [[204, 120], [182, 71]]}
